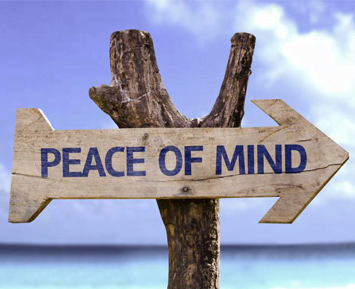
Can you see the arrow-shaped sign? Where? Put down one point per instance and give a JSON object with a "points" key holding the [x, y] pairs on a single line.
{"points": [[292, 161]]}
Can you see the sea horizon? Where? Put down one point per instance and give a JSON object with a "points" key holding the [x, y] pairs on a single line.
{"points": [[163, 245], [106, 266]]}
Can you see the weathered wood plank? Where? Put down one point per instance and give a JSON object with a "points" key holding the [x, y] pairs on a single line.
{"points": [[111, 164]]}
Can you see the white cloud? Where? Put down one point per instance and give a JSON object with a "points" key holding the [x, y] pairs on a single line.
{"points": [[321, 60], [204, 19], [319, 64], [314, 9], [317, 8]]}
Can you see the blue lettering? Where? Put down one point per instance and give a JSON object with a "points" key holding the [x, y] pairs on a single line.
{"points": [[131, 161], [162, 163], [45, 164], [276, 166], [221, 153], [108, 161], [93, 154], [250, 159], [288, 158], [189, 160], [67, 162]]}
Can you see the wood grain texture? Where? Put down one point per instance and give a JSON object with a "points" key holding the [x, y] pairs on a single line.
{"points": [[136, 96], [296, 190]]}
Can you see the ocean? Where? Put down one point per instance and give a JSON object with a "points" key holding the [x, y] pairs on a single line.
{"points": [[133, 267]]}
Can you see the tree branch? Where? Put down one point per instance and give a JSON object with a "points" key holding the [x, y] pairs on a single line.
{"points": [[136, 97], [228, 109]]}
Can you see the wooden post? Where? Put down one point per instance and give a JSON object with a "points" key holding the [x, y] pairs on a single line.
{"points": [[136, 98]]}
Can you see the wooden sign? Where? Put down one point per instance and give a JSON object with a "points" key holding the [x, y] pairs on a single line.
{"points": [[292, 161]]}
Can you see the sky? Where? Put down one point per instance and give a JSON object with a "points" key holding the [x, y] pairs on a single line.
{"points": [[52, 52]]}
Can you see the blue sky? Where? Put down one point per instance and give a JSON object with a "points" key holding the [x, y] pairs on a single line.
{"points": [[54, 51]]}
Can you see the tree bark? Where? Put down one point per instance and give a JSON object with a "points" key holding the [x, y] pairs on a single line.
{"points": [[137, 97]]}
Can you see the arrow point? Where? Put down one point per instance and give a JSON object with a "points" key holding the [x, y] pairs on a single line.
{"points": [[278, 110], [25, 210], [288, 208], [32, 120]]}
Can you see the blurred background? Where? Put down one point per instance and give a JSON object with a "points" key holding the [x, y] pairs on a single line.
{"points": [[52, 52]]}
